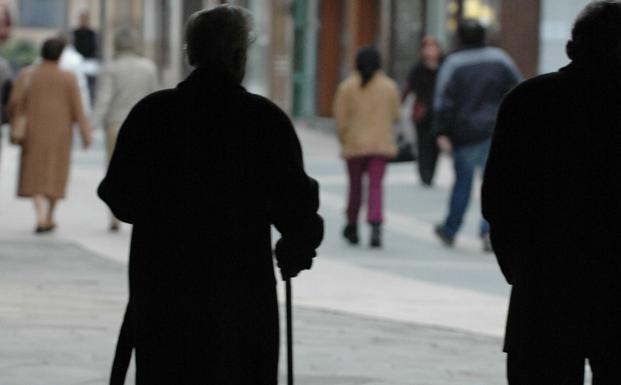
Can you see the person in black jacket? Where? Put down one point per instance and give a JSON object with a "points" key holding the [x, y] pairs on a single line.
{"points": [[202, 171], [469, 88], [85, 42], [84, 38], [421, 82], [552, 195]]}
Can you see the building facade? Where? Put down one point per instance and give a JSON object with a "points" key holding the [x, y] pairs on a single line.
{"points": [[303, 48], [329, 32]]}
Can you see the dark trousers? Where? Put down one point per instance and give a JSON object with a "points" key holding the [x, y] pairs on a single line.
{"points": [[427, 152], [560, 368], [91, 82]]}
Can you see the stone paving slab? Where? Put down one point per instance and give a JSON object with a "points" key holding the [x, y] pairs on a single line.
{"points": [[355, 350], [60, 308]]}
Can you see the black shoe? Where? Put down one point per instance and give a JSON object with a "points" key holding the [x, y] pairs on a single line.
{"points": [[47, 227], [376, 235], [444, 237], [487, 244], [43, 229], [426, 183], [350, 232]]}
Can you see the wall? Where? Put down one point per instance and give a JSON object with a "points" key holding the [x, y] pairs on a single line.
{"points": [[557, 18], [304, 56], [331, 14], [519, 36], [436, 19], [407, 23], [257, 70]]}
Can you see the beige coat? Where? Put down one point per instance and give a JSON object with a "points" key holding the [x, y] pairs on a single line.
{"points": [[50, 99], [364, 116], [121, 85]]}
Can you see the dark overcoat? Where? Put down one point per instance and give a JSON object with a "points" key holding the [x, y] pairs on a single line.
{"points": [[552, 194], [203, 171]]}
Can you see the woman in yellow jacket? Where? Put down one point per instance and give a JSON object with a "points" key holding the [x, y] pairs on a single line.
{"points": [[366, 105]]}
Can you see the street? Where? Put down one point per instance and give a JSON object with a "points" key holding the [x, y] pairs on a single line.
{"points": [[411, 313]]}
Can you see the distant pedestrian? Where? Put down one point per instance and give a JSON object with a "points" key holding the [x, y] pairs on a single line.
{"points": [[469, 89], [421, 82], [122, 83], [47, 99], [84, 37], [365, 107], [71, 60], [86, 43], [5, 89], [6, 73], [552, 195], [6, 22], [202, 171]]}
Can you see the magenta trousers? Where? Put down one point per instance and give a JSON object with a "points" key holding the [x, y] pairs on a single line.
{"points": [[374, 166]]}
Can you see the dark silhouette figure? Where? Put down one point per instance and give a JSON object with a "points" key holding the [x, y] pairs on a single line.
{"points": [[84, 38], [421, 82], [552, 195], [469, 89], [202, 171], [85, 42]]}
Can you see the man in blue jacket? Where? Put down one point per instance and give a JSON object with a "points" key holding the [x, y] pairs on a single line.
{"points": [[470, 86]]}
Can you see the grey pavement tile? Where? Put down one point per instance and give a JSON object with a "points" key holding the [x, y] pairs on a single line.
{"points": [[61, 306]]}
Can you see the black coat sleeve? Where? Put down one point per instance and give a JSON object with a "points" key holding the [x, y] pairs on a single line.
{"points": [[505, 187], [128, 183], [293, 196]]}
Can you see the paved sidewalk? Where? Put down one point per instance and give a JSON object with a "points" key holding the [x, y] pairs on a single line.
{"points": [[61, 306], [413, 279]]}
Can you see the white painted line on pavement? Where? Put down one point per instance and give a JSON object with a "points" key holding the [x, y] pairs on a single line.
{"points": [[342, 287]]}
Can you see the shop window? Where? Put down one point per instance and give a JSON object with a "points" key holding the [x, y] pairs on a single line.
{"points": [[43, 13], [486, 11]]}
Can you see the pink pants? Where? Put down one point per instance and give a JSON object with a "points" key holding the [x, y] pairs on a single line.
{"points": [[356, 167]]}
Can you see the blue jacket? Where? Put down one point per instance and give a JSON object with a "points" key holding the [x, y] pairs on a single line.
{"points": [[470, 86]]}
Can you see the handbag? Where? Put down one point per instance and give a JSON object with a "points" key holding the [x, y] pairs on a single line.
{"points": [[419, 112], [405, 151], [19, 122]]}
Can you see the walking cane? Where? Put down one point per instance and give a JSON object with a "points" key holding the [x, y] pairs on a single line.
{"points": [[289, 332]]}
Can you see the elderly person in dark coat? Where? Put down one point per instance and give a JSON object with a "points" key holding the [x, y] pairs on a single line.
{"points": [[552, 195], [202, 171]]}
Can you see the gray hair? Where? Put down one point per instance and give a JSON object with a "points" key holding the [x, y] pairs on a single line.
{"points": [[126, 39], [218, 38]]}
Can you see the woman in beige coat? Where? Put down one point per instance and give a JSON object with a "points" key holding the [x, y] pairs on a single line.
{"points": [[366, 105], [49, 98]]}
